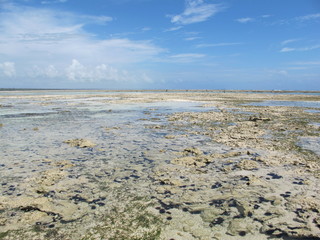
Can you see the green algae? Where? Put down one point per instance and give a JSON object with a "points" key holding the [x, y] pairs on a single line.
{"points": [[3, 234], [133, 222]]}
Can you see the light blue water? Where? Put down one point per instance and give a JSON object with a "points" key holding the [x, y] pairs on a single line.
{"points": [[302, 104], [52, 92], [313, 111], [289, 93]]}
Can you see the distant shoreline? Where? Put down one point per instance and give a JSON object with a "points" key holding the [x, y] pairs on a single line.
{"points": [[156, 90]]}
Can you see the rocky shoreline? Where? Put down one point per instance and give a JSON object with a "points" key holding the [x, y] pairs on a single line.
{"points": [[229, 170]]}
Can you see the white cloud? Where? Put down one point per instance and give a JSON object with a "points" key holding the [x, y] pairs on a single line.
{"points": [[42, 43], [301, 49], [285, 42], [297, 68], [309, 17], [286, 49], [51, 71], [145, 29], [192, 38], [8, 69], [55, 1], [217, 45], [78, 72], [245, 20], [196, 11], [186, 57], [299, 20], [96, 19], [283, 72], [173, 29]]}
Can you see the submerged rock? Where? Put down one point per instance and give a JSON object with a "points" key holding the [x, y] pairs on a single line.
{"points": [[226, 155], [255, 119], [241, 227], [190, 161], [82, 143], [192, 151], [169, 137], [192, 157], [247, 164]]}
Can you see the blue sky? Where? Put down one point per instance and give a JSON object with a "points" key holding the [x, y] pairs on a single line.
{"points": [[160, 44]]}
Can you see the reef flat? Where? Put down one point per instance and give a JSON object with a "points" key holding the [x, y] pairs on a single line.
{"points": [[159, 165]]}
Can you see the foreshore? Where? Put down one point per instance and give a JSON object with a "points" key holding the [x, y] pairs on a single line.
{"points": [[160, 165]]}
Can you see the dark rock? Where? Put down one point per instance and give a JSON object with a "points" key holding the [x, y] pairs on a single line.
{"points": [[217, 203], [162, 211], [51, 226], [298, 183], [216, 185], [245, 178], [217, 221], [195, 212], [274, 175], [262, 199], [285, 195]]}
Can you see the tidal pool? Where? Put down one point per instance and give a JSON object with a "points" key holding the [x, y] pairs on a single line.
{"points": [[310, 143]]}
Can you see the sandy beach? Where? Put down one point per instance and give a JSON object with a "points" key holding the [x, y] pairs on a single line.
{"points": [[164, 165]]}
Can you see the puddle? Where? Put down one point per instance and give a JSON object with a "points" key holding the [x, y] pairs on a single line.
{"points": [[317, 124], [312, 111], [310, 143]]}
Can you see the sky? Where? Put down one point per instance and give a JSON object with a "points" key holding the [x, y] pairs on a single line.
{"points": [[160, 44]]}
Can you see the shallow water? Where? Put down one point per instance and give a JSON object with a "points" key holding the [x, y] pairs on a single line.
{"points": [[313, 111], [302, 104], [50, 92], [51, 187], [127, 149], [34, 129], [311, 143]]}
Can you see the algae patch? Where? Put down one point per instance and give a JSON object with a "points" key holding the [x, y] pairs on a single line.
{"points": [[136, 219]]}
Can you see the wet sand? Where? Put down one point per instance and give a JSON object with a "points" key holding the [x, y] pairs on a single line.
{"points": [[159, 165]]}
